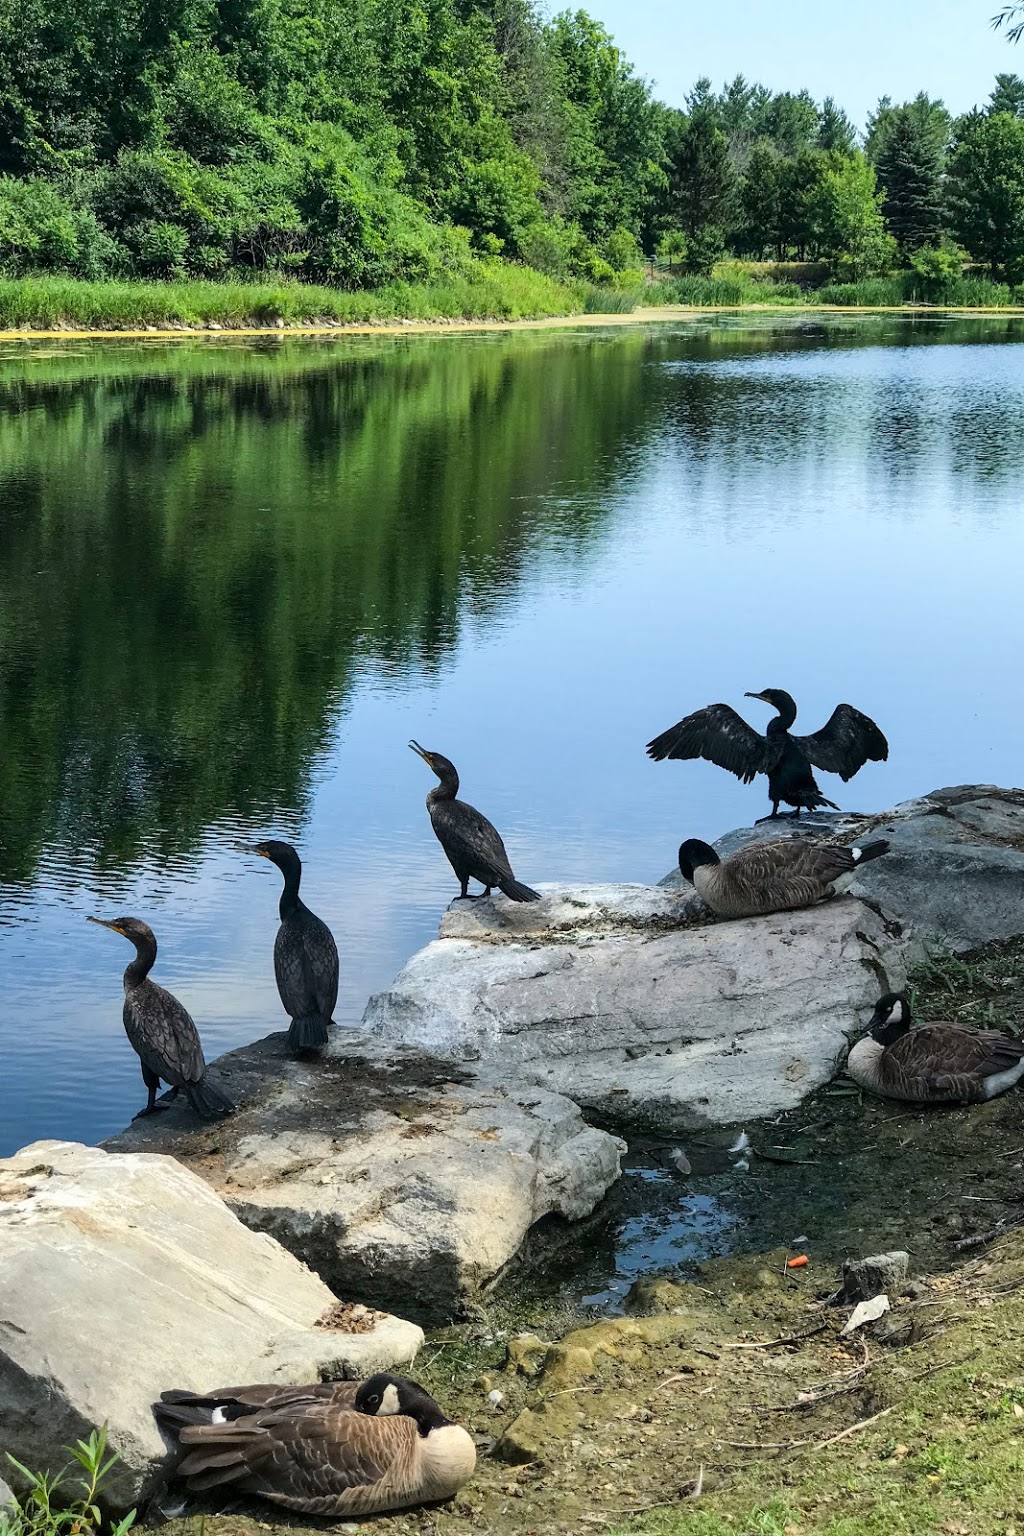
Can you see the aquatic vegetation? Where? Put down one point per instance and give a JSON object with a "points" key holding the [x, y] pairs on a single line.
{"points": [[46, 1509]]}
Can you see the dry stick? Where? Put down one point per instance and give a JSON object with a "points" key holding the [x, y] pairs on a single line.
{"points": [[795, 1445], [853, 1429], [774, 1343]]}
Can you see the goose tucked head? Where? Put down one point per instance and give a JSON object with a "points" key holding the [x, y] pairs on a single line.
{"points": [[692, 854], [385, 1394], [891, 1018]]}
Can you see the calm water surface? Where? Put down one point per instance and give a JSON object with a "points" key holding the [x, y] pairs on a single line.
{"points": [[235, 579]]}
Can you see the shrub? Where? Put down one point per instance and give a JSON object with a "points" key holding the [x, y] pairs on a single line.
{"points": [[36, 1514], [41, 229], [703, 248]]}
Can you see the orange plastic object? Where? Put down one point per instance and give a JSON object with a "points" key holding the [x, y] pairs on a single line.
{"points": [[798, 1262]]}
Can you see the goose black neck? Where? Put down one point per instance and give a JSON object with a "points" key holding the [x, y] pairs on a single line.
{"points": [[290, 866], [140, 967], [428, 1416]]}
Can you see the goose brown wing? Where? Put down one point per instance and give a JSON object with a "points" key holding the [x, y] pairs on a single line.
{"points": [[720, 736], [298, 1456], [798, 858], [953, 1059], [845, 743], [176, 1409], [163, 1033]]}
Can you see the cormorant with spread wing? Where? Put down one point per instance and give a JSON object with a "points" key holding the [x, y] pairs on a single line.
{"points": [[723, 737], [161, 1030]]}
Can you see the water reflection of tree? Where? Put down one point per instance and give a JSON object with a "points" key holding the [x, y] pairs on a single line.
{"points": [[196, 554]]}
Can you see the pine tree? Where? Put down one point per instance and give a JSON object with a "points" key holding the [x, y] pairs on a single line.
{"points": [[835, 131], [910, 170]]}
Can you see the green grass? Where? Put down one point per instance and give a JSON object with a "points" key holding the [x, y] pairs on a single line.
{"points": [[613, 301], [490, 290]]}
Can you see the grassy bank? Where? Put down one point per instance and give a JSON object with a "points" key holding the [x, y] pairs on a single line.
{"points": [[492, 290]]}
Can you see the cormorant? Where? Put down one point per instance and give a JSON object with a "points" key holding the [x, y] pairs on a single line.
{"points": [[324, 1449], [474, 847], [772, 877], [161, 1031], [723, 737], [305, 956], [935, 1063]]}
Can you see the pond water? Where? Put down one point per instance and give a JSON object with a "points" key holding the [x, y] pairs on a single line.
{"points": [[236, 577]]}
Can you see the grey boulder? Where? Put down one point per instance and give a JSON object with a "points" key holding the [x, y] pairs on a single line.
{"points": [[124, 1276], [399, 1178], [618, 997]]}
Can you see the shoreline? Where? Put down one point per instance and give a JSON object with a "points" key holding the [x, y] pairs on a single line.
{"points": [[642, 315]]}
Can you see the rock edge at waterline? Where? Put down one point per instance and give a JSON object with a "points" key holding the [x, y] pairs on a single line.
{"points": [[402, 1180], [648, 1013], [125, 1276]]}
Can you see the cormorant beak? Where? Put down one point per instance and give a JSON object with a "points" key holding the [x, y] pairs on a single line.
{"points": [[421, 752], [103, 923], [760, 696]]}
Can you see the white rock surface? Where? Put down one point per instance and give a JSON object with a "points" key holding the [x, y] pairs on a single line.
{"points": [[654, 1023], [401, 1180], [634, 1003], [123, 1276]]}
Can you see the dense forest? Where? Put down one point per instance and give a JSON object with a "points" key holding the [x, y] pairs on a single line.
{"points": [[359, 142]]}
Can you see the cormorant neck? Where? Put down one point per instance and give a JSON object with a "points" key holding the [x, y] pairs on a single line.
{"points": [[447, 789], [291, 868], [140, 967], [785, 717]]}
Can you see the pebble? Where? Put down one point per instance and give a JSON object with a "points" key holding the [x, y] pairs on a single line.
{"points": [[495, 1399]]}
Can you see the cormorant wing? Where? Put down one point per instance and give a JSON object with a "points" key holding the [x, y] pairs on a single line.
{"points": [[719, 735], [306, 965], [845, 744], [477, 841], [163, 1033]]}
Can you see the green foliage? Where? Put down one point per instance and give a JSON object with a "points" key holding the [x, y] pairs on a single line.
{"points": [[938, 267], [850, 225], [909, 166], [930, 118], [835, 130], [1008, 96], [986, 191], [704, 184], [46, 1509]]}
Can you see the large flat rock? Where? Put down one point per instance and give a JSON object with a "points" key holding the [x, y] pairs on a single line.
{"points": [[648, 1012], [662, 1023], [123, 1276], [401, 1179]]}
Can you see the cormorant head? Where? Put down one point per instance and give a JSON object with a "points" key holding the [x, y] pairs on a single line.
{"points": [[442, 766], [133, 928], [891, 1018], [779, 699], [692, 854], [281, 854], [386, 1394]]}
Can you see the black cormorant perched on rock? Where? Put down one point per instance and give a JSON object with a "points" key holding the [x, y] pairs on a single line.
{"points": [[161, 1030], [305, 956], [474, 847], [723, 737]]}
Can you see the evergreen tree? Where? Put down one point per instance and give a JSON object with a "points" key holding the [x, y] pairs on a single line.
{"points": [[931, 117], [835, 131], [703, 183], [759, 197], [1008, 96], [910, 173]]}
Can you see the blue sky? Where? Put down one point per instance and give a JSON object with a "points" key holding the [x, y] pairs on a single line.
{"points": [[874, 48]]}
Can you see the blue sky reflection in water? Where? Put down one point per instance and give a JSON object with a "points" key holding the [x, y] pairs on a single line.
{"points": [[234, 583]]}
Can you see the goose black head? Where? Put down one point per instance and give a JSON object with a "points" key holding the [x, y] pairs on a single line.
{"points": [[779, 699], [692, 854], [385, 1394], [891, 1018], [133, 928]]}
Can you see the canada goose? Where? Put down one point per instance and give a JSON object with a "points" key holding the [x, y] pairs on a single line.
{"points": [[305, 956], [161, 1030], [323, 1450], [474, 847], [723, 737], [771, 877], [938, 1063]]}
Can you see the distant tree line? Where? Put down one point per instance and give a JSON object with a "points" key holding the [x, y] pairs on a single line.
{"points": [[358, 142]]}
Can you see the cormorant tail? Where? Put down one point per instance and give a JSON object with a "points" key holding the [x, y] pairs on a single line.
{"points": [[515, 890], [870, 851], [208, 1100], [308, 1033]]}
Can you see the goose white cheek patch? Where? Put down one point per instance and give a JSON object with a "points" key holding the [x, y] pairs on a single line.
{"points": [[389, 1402]]}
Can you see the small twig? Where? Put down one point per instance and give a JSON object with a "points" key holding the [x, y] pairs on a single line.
{"points": [[787, 1162], [853, 1429], [775, 1343], [943, 1365]]}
